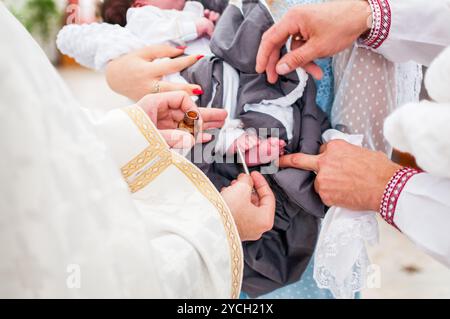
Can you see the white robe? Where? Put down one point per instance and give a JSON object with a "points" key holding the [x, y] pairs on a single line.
{"points": [[105, 210], [423, 129], [420, 30]]}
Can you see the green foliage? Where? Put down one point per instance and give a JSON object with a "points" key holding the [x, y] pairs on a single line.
{"points": [[39, 16]]}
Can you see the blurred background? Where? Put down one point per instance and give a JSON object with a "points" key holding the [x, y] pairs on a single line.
{"points": [[405, 271]]}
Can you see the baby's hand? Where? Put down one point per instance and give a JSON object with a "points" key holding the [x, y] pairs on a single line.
{"points": [[212, 16], [205, 27]]}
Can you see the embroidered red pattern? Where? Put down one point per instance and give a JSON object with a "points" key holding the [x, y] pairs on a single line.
{"points": [[392, 193], [381, 15]]}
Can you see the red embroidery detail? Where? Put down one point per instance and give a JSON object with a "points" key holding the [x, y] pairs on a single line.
{"points": [[392, 193], [382, 20]]}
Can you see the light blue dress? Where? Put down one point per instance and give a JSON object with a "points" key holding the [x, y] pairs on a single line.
{"points": [[306, 288]]}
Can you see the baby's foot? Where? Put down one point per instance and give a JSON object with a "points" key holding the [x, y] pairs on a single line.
{"points": [[244, 142], [265, 152]]}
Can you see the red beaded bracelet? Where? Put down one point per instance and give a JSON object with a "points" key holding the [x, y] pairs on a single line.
{"points": [[381, 25], [393, 191]]}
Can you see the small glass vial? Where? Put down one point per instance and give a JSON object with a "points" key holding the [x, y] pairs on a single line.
{"points": [[190, 122]]}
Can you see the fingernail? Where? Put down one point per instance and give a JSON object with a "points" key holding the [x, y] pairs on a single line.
{"points": [[199, 57], [283, 69], [197, 92], [181, 47]]}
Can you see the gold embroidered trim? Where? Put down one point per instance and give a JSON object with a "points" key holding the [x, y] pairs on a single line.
{"points": [[142, 180], [157, 146], [159, 152], [146, 127], [204, 185], [138, 162]]}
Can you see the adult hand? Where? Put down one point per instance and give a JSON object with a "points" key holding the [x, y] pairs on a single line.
{"points": [[166, 110], [253, 213], [318, 30], [347, 176], [137, 74]]}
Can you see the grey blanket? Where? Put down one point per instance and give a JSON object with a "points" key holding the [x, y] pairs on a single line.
{"points": [[281, 256]]}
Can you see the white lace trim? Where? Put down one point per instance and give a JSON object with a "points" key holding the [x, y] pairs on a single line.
{"points": [[341, 263], [345, 237]]}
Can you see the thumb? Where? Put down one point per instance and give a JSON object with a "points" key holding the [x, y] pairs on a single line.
{"points": [[297, 58]]}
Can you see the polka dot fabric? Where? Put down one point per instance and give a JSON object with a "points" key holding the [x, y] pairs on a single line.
{"points": [[365, 89]]}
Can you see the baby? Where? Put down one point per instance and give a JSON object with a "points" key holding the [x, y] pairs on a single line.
{"points": [[187, 25]]}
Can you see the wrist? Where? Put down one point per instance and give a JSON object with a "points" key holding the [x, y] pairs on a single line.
{"points": [[393, 191], [379, 24], [363, 12], [384, 175]]}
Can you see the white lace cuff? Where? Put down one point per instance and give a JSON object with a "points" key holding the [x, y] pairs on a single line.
{"points": [[341, 263]]}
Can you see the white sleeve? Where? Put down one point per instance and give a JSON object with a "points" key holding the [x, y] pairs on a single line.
{"points": [[155, 26], [423, 214], [422, 130], [411, 30], [94, 45]]}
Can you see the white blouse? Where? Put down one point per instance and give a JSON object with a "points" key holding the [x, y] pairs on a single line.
{"points": [[422, 129], [420, 206], [416, 30]]}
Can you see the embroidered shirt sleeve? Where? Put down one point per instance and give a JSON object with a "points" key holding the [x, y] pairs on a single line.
{"points": [[381, 24], [393, 191]]}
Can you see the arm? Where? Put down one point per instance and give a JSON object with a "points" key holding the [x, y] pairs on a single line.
{"points": [[399, 35], [94, 45], [359, 179], [135, 74], [325, 29]]}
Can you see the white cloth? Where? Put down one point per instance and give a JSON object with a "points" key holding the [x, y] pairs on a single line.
{"points": [[70, 227], [423, 214], [233, 127], [153, 25], [422, 129], [94, 45], [438, 78], [341, 263], [419, 31]]}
